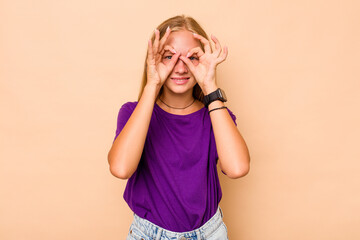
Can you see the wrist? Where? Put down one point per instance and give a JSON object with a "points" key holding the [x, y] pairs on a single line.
{"points": [[209, 89], [152, 88], [216, 104], [214, 96]]}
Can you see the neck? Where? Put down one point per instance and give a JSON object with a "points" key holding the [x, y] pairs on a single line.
{"points": [[177, 103], [177, 100]]}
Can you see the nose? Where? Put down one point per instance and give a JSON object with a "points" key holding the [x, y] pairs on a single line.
{"points": [[180, 66]]}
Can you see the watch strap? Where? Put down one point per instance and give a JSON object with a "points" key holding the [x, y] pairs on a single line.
{"points": [[213, 96]]}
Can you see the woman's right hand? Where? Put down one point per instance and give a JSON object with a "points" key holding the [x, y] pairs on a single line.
{"points": [[157, 71]]}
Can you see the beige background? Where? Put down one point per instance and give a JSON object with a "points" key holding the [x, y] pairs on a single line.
{"points": [[291, 76]]}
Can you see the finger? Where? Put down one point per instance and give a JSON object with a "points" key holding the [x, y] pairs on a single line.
{"points": [[188, 63], [173, 61], [156, 41], [164, 38], [223, 56], [150, 58], [168, 48], [204, 41], [217, 45], [197, 50]]}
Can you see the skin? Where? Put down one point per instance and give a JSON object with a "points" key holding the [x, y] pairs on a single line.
{"points": [[178, 54]]}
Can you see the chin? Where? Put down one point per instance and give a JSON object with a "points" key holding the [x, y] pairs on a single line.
{"points": [[180, 90], [179, 87]]}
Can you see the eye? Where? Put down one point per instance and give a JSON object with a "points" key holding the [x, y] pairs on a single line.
{"points": [[167, 57], [193, 58]]}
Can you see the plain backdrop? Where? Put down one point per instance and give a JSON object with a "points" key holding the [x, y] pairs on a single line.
{"points": [[291, 77]]}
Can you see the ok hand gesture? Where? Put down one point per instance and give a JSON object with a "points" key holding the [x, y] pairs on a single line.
{"points": [[204, 72], [157, 72]]}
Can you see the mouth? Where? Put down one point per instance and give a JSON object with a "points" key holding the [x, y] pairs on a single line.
{"points": [[180, 81]]}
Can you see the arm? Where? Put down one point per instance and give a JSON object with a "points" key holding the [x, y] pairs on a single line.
{"points": [[234, 158], [232, 151], [125, 153]]}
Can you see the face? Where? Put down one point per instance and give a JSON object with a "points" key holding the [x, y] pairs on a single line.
{"points": [[180, 80]]}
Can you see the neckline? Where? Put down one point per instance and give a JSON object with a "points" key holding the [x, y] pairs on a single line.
{"points": [[179, 115]]}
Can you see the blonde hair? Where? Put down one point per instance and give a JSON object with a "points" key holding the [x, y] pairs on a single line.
{"points": [[177, 23]]}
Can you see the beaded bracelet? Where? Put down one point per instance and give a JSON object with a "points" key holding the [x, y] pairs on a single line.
{"points": [[217, 109]]}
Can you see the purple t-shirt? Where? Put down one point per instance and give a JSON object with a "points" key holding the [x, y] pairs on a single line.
{"points": [[176, 185]]}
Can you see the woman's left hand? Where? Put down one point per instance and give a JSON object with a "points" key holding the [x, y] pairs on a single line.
{"points": [[205, 71]]}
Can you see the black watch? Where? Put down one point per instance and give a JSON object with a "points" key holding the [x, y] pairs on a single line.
{"points": [[218, 94]]}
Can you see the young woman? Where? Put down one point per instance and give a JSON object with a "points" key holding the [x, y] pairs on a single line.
{"points": [[169, 143]]}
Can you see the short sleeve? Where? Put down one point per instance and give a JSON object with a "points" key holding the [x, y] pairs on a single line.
{"points": [[232, 116], [234, 119], [123, 116]]}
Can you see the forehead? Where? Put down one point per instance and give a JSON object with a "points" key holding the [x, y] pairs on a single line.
{"points": [[182, 40]]}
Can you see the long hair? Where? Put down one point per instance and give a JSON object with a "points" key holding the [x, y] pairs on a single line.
{"points": [[177, 23]]}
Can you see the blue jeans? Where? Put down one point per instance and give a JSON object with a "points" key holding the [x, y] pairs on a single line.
{"points": [[214, 229]]}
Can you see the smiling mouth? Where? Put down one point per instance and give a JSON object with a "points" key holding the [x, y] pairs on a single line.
{"points": [[180, 81], [180, 78]]}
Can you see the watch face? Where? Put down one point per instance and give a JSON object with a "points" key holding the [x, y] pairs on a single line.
{"points": [[222, 94]]}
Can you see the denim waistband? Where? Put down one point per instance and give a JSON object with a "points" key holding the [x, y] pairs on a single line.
{"points": [[156, 232]]}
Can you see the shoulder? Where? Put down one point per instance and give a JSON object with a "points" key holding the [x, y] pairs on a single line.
{"points": [[126, 110], [128, 107]]}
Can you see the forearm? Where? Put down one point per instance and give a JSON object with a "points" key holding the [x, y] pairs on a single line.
{"points": [[125, 153], [232, 150]]}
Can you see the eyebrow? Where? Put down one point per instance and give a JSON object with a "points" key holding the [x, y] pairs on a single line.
{"points": [[167, 49]]}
